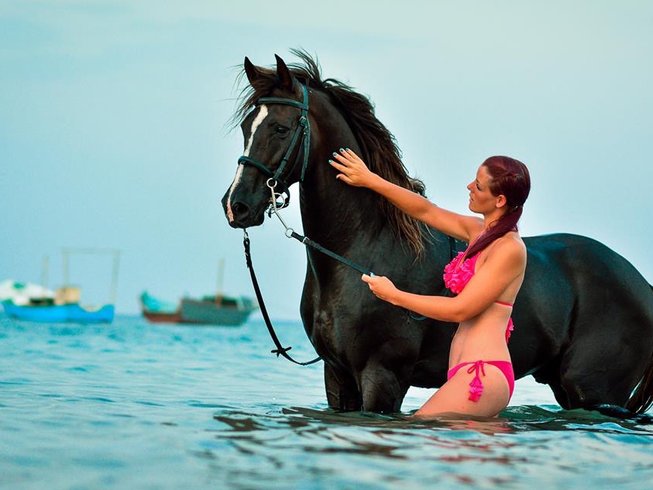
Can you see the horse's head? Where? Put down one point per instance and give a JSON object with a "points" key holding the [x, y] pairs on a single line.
{"points": [[276, 140]]}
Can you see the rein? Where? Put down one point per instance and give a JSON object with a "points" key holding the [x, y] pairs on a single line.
{"points": [[280, 350], [290, 233]]}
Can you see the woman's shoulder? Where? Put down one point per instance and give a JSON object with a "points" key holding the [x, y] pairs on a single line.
{"points": [[509, 245]]}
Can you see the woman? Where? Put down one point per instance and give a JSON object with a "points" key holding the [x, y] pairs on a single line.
{"points": [[485, 278]]}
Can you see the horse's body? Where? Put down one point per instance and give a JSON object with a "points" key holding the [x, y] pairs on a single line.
{"points": [[583, 318]]}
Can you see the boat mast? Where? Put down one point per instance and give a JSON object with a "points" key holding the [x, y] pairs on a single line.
{"points": [[115, 254], [114, 275], [218, 294], [45, 270]]}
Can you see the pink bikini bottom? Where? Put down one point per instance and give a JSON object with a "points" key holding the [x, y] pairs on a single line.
{"points": [[476, 386]]}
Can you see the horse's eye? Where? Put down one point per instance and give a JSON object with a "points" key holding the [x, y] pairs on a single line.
{"points": [[280, 130]]}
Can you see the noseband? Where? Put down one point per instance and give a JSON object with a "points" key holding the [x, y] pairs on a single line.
{"points": [[301, 135]]}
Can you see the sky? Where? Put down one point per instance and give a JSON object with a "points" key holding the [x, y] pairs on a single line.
{"points": [[115, 125]]}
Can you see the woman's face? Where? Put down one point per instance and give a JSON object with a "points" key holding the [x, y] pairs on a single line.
{"points": [[481, 199]]}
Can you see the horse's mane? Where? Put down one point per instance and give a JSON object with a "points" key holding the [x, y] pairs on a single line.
{"points": [[378, 145]]}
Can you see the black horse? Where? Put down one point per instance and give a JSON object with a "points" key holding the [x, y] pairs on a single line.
{"points": [[584, 316]]}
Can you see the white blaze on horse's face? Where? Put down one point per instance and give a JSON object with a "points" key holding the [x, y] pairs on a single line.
{"points": [[262, 114]]}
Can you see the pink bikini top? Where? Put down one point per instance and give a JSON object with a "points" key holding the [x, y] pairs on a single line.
{"points": [[458, 273]]}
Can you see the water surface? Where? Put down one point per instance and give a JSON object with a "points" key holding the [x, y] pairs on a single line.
{"points": [[140, 406]]}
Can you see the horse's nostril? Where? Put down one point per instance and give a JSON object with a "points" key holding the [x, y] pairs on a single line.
{"points": [[240, 209]]}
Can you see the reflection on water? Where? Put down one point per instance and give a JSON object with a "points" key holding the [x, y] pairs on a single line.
{"points": [[131, 405], [479, 452]]}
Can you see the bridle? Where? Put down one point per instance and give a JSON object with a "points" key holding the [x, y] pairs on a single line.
{"points": [[301, 135], [280, 199]]}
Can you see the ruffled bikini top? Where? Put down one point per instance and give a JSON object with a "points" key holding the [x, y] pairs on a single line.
{"points": [[458, 272]]}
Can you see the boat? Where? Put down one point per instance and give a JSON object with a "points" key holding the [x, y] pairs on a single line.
{"points": [[38, 304], [35, 303], [218, 309], [207, 310], [54, 313]]}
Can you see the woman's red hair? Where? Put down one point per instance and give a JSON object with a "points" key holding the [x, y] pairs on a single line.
{"points": [[509, 177]]}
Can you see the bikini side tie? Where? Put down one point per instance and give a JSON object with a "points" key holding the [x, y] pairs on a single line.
{"points": [[476, 386]]}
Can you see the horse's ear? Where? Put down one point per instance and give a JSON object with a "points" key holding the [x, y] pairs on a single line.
{"points": [[285, 77], [251, 71]]}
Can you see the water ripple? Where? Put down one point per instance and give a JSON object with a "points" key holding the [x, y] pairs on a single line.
{"points": [[131, 405]]}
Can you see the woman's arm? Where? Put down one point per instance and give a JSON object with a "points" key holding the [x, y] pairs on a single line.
{"points": [[506, 263], [353, 171]]}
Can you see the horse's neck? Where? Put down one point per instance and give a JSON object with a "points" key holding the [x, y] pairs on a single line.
{"points": [[348, 220], [332, 211]]}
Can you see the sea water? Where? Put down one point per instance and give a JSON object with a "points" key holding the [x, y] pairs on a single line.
{"points": [[138, 406]]}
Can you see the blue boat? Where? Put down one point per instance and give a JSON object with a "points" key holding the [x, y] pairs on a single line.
{"points": [[52, 313], [65, 307]]}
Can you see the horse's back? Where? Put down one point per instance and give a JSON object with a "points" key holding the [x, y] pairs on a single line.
{"points": [[586, 263]]}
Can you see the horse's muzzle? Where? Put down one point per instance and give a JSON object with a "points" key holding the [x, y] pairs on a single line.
{"points": [[241, 215]]}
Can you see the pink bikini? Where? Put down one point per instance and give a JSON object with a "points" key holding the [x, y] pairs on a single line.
{"points": [[456, 276]]}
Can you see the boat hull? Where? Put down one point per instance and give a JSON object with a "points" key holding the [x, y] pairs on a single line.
{"points": [[210, 313], [69, 313], [158, 317], [209, 310]]}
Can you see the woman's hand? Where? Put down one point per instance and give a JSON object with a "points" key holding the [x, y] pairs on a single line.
{"points": [[353, 170], [382, 288]]}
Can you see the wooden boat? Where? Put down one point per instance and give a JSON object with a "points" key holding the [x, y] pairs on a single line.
{"points": [[208, 310]]}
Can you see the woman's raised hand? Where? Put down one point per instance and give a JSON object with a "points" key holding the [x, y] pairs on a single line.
{"points": [[353, 170]]}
